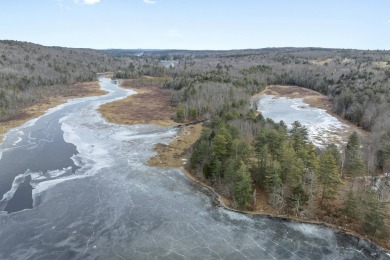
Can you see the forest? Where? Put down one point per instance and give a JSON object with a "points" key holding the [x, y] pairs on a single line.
{"points": [[30, 72], [240, 153]]}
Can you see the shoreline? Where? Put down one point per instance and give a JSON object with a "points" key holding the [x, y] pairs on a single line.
{"points": [[310, 97], [224, 202], [175, 155], [78, 90]]}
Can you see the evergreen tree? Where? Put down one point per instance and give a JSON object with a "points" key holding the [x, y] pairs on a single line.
{"points": [[262, 155], [243, 187], [216, 170], [374, 215], [329, 176], [221, 143], [273, 176], [351, 205], [271, 137], [335, 152], [354, 163], [230, 170], [299, 135], [292, 167], [180, 112], [230, 176], [199, 154], [240, 151], [383, 154]]}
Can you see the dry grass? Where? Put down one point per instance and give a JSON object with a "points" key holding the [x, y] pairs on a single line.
{"points": [[175, 153], [382, 64], [74, 91], [311, 97], [346, 61], [151, 105]]}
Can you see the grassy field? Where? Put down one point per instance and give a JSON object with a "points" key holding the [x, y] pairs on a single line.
{"points": [[150, 105]]}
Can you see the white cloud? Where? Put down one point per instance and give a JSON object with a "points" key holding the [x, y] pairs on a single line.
{"points": [[150, 1], [388, 21], [87, 2], [91, 2]]}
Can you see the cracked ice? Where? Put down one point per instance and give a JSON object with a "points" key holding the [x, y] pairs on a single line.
{"points": [[113, 206]]}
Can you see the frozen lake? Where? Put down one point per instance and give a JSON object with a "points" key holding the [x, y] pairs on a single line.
{"points": [[323, 128], [91, 196]]}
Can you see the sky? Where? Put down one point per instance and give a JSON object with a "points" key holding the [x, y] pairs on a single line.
{"points": [[198, 24]]}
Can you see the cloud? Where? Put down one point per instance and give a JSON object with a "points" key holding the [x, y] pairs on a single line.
{"points": [[87, 2], [174, 33], [150, 1]]}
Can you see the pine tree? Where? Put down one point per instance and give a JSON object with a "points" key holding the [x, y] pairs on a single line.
{"points": [[351, 205], [230, 176], [329, 176], [243, 187], [216, 170], [273, 178], [299, 135], [240, 150], [292, 167], [335, 152], [262, 155], [374, 215], [273, 138], [221, 143], [354, 163]]}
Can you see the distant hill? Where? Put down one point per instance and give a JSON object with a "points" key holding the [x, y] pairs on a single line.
{"points": [[28, 70]]}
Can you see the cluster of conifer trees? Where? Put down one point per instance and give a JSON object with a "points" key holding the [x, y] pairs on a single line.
{"points": [[299, 179]]}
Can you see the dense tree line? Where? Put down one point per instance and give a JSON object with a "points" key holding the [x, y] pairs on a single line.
{"points": [[29, 72], [299, 179], [357, 83], [241, 153], [140, 69]]}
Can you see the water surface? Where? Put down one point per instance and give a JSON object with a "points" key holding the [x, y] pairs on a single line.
{"points": [[94, 198]]}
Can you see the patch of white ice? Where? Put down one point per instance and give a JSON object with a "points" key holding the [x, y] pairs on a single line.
{"points": [[311, 230], [323, 128], [19, 179]]}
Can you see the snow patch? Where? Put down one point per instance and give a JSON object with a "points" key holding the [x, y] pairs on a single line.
{"points": [[311, 230], [43, 186], [235, 215], [19, 179]]}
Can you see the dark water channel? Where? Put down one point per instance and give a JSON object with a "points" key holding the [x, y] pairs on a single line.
{"points": [[74, 186]]}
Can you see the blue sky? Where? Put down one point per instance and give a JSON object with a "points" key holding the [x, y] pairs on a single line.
{"points": [[198, 24]]}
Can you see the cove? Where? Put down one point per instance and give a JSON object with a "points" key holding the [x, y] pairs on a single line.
{"points": [[323, 128]]}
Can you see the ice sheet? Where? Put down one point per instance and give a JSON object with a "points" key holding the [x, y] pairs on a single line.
{"points": [[323, 128]]}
